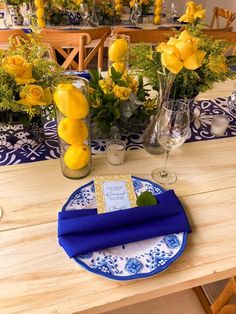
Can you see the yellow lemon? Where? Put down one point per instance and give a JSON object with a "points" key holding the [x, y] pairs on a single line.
{"points": [[77, 156], [40, 13], [118, 66], [39, 3], [41, 23], [71, 101], [118, 50], [157, 11], [157, 19], [119, 8], [72, 131], [158, 3]]}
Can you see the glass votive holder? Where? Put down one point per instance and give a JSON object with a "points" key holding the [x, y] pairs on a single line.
{"points": [[115, 152], [219, 125]]}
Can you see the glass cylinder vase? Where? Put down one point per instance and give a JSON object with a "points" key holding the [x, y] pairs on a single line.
{"points": [[73, 127], [150, 142], [118, 53]]}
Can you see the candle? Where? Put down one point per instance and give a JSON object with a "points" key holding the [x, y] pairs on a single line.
{"points": [[115, 152], [219, 125]]}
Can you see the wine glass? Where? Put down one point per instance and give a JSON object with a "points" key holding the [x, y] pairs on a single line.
{"points": [[172, 131], [84, 13], [135, 14], [173, 10]]}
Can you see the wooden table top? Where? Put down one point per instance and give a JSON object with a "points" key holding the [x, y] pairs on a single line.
{"points": [[37, 276]]}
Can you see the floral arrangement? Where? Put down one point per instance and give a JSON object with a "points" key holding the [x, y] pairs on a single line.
{"points": [[145, 4], [60, 12], [109, 10], [193, 59], [118, 100], [26, 78]]}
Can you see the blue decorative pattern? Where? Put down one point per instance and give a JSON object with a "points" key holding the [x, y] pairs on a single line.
{"points": [[133, 260], [23, 150]]}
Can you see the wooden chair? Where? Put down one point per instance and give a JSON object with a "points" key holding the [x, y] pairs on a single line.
{"points": [[67, 46], [6, 35], [226, 14], [145, 35], [96, 47], [221, 304]]}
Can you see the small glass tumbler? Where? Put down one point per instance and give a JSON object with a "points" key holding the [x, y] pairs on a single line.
{"points": [[219, 125], [115, 152]]}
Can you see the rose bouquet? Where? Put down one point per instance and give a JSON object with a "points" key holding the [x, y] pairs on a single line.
{"points": [[26, 79], [194, 60]]}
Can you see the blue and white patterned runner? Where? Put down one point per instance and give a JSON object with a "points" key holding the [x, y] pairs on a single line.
{"points": [[16, 148]]}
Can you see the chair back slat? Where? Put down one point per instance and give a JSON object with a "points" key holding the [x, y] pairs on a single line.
{"points": [[98, 38], [218, 13], [68, 46]]}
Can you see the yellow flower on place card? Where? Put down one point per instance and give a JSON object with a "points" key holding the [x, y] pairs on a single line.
{"points": [[114, 192]]}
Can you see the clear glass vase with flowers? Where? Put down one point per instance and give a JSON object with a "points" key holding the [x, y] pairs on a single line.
{"points": [[119, 99], [189, 63]]}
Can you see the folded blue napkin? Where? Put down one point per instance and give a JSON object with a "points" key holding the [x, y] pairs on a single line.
{"points": [[83, 231]]}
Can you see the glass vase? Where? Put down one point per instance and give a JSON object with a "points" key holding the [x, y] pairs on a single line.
{"points": [[150, 142], [73, 127], [118, 53]]}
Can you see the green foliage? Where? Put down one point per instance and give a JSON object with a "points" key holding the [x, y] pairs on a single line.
{"points": [[107, 108], [16, 2], [146, 199], [45, 72], [187, 83]]}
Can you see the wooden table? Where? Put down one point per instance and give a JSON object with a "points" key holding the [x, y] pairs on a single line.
{"points": [[36, 275]]}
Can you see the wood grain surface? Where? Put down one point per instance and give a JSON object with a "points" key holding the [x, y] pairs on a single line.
{"points": [[36, 275]]}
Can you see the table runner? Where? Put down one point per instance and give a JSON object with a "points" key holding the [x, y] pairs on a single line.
{"points": [[16, 148]]}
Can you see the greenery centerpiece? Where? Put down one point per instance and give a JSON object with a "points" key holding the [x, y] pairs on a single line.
{"points": [[26, 81], [60, 12], [189, 63], [145, 5], [181, 54]]}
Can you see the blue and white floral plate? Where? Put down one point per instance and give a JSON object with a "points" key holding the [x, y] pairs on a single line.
{"points": [[134, 260]]}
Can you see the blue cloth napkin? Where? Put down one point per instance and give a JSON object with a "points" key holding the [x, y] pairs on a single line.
{"points": [[83, 231]]}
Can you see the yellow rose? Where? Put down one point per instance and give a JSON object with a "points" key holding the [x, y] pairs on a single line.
{"points": [[106, 85], [17, 67], [193, 12], [34, 95], [121, 92], [181, 52]]}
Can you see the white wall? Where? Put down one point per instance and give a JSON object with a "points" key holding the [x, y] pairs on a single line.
{"points": [[208, 5], [226, 4]]}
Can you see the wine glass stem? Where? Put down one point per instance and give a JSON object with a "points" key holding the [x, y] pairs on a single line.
{"points": [[164, 172]]}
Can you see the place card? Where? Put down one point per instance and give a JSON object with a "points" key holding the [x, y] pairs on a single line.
{"points": [[114, 193]]}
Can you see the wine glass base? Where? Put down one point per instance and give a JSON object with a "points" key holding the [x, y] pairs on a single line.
{"points": [[169, 178]]}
